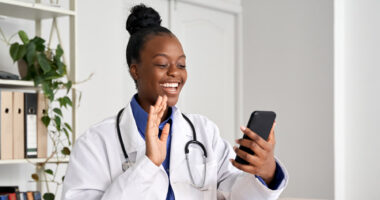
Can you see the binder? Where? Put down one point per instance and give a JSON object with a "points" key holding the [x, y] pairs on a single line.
{"points": [[30, 124], [18, 125], [42, 131], [6, 126], [29, 196]]}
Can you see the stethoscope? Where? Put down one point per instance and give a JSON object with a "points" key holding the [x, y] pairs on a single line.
{"points": [[194, 141]]}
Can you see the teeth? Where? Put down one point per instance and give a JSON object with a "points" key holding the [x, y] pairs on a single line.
{"points": [[173, 85]]}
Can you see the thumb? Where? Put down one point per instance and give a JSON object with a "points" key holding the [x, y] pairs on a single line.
{"points": [[165, 132], [271, 138]]}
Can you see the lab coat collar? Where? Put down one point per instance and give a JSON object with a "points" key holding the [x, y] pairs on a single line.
{"points": [[133, 142]]}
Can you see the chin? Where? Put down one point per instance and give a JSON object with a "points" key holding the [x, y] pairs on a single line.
{"points": [[172, 101]]}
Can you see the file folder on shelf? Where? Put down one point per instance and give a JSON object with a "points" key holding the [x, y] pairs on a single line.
{"points": [[41, 128], [18, 125], [6, 125], [30, 123]]}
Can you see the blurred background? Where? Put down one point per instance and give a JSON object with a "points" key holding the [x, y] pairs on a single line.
{"points": [[316, 63]]}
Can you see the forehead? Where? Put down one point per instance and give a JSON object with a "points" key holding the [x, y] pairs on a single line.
{"points": [[162, 44]]}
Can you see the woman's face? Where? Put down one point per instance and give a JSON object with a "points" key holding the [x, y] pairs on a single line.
{"points": [[161, 70]]}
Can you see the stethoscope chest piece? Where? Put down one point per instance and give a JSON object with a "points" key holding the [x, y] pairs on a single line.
{"points": [[126, 165]]}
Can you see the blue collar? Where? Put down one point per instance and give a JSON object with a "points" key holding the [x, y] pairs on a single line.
{"points": [[141, 116]]}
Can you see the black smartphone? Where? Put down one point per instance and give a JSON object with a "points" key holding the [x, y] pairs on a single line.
{"points": [[260, 122]]}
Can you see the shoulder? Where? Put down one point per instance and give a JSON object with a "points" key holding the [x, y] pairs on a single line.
{"points": [[99, 133], [201, 120]]}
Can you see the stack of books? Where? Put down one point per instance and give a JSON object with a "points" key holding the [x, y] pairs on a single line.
{"points": [[22, 133], [13, 193]]}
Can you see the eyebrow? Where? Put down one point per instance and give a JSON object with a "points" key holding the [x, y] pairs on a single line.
{"points": [[164, 55]]}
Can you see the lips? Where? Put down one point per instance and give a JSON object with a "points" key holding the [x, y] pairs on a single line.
{"points": [[170, 87]]}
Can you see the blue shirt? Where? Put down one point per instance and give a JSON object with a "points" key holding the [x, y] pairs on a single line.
{"points": [[141, 118]]}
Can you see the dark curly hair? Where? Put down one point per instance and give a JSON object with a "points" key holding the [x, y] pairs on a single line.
{"points": [[143, 23]]}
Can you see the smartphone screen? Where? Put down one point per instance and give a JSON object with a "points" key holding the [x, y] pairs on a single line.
{"points": [[261, 123]]}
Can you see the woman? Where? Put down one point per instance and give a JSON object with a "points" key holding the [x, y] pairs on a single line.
{"points": [[145, 158]]}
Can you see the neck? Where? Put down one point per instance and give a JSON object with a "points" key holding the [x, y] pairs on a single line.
{"points": [[145, 104]]}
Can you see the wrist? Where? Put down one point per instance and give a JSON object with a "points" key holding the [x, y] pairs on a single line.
{"points": [[154, 161], [269, 178]]}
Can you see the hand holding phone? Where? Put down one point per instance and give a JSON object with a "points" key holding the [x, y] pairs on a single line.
{"points": [[257, 146], [261, 123]]}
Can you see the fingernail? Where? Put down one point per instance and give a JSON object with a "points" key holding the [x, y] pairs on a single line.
{"points": [[242, 128], [235, 147], [237, 140]]}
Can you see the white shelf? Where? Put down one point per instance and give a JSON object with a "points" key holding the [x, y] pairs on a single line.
{"points": [[34, 161], [16, 83], [32, 11]]}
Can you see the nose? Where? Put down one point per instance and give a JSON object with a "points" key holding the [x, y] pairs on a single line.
{"points": [[173, 70]]}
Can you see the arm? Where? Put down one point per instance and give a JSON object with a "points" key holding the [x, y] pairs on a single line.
{"points": [[88, 174], [234, 183]]}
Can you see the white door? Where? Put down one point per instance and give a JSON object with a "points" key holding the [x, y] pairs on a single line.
{"points": [[208, 39]]}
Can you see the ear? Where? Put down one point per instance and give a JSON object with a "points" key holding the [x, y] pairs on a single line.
{"points": [[133, 71]]}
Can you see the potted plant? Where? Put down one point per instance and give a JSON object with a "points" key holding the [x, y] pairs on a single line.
{"points": [[45, 68]]}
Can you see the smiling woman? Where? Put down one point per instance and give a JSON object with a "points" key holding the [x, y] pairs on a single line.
{"points": [[150, 150]]}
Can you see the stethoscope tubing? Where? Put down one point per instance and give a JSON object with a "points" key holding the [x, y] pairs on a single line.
{"points": [[193, 141]]}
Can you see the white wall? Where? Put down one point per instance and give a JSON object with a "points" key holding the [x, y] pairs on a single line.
{"points": [[288, 68], [358, 85]]}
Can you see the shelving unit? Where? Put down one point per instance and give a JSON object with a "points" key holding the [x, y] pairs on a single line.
{"points": [[38, 12], [16, 83], [34, 161], [31, 11]]}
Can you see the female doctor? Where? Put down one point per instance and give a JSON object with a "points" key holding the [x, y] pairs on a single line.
{"points": [[140, 153]]}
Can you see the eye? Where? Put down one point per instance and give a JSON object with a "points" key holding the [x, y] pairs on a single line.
{"points": [[161, 65], [182, 66]]}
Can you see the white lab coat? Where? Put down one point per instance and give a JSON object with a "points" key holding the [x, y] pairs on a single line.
{"points": [[95, 168]]}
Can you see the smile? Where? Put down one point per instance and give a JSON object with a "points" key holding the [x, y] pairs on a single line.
{"points": [[170, 88]]}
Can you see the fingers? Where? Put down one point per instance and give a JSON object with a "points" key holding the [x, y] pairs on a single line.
{"points": [[152, 117], [256, 138], [251, 145], [165, 133], [251, 159], [247, 168], [162, 107]]}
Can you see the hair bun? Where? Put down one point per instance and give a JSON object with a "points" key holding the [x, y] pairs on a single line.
{"points": [[142, 17]]}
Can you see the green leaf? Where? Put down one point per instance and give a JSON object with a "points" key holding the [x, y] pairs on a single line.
{"points": [[57, 120], [47, 90], [17, 51], [58, 51], [68, 127], [39, 43], [44, 64], [49, 171], [14, 50], [68, 100], [31, 53], [48, 196], [60, 66], [68, 86], [67, 135], [58, 111], [46, 120], [23, 37], [35, 177], [65, 151], [61, 102]]}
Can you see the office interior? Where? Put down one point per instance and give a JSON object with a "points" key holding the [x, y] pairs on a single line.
{"points": [[314, 62]]}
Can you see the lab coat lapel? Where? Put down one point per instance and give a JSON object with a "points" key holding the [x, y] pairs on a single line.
{"points": [[181, 134], [132, 139]]}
